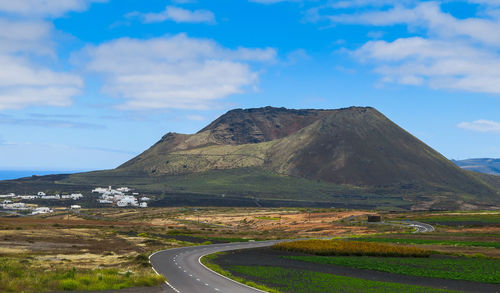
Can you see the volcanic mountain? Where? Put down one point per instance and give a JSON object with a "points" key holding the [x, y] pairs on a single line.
{"points": [[345, 157]]}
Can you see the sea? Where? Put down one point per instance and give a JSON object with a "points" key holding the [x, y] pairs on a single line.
{"points": [[15, 174]]}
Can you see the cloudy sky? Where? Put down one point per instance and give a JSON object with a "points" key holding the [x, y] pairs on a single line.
{"points": [[88, 84]]}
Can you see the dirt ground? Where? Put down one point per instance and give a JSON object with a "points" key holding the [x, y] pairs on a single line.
{"points": [[295, 222]]}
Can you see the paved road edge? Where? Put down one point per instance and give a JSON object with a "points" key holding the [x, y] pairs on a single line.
{"points": [[154, 270], [199, 260]]}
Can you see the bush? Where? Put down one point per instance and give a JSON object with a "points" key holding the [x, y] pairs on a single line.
{"points": [[69, 284], [335, 247]]}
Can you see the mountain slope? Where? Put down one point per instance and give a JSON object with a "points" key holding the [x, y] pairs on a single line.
{"points": [[360, 146], [482, 165], [354, 146], [236, 127]]}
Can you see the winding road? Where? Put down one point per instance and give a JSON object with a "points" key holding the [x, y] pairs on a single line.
{"points": [[186, 274]]}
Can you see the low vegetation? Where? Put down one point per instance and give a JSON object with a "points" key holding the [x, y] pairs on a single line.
{"points": [[358, 248], [291, 280], [17, 275], [207, 260], [485, 270], [493, 244], [268, 218], [463, 219]]}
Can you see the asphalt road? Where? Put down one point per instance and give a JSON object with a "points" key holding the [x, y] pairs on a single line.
{"points": [[186, 274], [421, 227]]}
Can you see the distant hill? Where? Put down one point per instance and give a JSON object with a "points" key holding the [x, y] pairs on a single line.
{"points": [[351, 157], [482, 165]]}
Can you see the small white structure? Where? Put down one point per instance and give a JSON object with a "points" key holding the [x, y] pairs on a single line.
{"points": [[144, 198], [28, 197], [10, 195], [127, 201], [15, 206], [41, 193], [143, 205], [41, 210], [123, 189], [57, 196], [99, 190], [105, 201], [76, 207], [73, 196]]}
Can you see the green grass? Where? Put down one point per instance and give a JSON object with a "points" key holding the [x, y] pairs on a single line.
{"points": [[18, 276], [432, 241], [470, 269], [482, 218], [291, 280], [207, 260]]}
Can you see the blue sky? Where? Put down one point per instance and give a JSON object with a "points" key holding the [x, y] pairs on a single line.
{"points": [[88, 84]]}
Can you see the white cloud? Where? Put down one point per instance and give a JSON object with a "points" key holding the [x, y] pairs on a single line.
{"points": [[438, 64], [173, 72], [428, 15], [449, 53], [177, 14], [44, 7], [22, 83], [25, 43], [25, 36], [481, 126]]}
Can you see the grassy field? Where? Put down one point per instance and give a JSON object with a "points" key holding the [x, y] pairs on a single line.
{"points": [[357, 248], [290, 280], [456, 268], [463, 219], [108, 248], [19, 275], [493, 243]]}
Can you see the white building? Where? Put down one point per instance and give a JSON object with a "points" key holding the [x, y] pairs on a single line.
{"points": [[76, 207], [100, 190], [73, 196], [41, 210], [144, 198], [143, 205], [10, 195], [127, 201], [123, 189], [15, 206], [41, 193], [57, 196], [28, 197], [105, 201]]}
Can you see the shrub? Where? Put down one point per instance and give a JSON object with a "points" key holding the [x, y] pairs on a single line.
{"points": [[335, 247], [69, 284]]}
